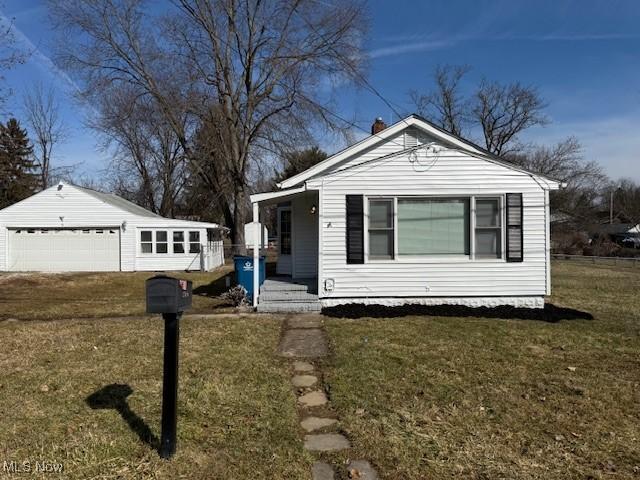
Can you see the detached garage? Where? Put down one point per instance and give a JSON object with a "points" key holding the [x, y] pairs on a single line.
{"points": [[67, 228]]}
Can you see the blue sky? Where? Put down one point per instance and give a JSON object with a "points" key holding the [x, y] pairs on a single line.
{"points": [[583, 55]]}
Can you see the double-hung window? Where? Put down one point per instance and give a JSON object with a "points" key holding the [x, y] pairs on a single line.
{"points": [[194, 242], [162, 245], [146, 241], [488, 228], [381, 229], [178, 242]]}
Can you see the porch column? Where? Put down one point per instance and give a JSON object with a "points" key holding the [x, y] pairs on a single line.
{"points": [[256, 252]]}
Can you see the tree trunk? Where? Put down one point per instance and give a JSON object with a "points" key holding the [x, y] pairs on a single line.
{"points": [[239, 219]]}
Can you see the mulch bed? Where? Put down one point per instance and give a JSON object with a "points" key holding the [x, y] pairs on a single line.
{"points": [[550, 313]]}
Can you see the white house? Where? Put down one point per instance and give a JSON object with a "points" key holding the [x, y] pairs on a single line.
{"points": [[410, 214], [69, 228]]}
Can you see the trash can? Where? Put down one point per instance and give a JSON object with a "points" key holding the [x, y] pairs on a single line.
{"points": [[244, 272]]}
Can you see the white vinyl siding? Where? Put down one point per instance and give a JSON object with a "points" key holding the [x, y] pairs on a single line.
{"points": [[73, 208], [451, 173], [304, 236]]}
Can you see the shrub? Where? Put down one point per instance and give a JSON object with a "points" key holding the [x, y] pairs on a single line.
{"points": [[236, 296]]}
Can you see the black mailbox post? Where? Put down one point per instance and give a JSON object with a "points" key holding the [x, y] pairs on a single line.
{"points": [[170, 297]]}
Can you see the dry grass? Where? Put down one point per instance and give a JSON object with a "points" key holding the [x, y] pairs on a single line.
{"points": [[487, 399], [96, 295], [237, 416]]}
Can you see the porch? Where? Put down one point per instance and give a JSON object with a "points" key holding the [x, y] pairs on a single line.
{"points": [[294, 288]]}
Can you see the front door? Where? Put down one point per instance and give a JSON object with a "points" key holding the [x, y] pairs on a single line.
{"points": [[284, 241]]}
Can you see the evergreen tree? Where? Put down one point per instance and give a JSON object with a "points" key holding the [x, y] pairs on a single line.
{"points": [[18, 179]]}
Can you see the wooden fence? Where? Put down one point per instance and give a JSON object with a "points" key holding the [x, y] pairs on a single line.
{"points": [[612, 261]]}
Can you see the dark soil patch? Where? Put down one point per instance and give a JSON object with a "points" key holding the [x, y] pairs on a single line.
{"points": [[550, 313]]}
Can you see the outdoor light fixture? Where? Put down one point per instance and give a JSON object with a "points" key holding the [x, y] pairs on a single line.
{"points": [[124, 226], [170, 297]]}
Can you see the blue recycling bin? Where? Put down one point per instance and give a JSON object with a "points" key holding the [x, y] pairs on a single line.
{"points": [[244, 272]]}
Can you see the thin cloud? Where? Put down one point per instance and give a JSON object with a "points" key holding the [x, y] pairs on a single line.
{"points": [[35, 54], [421, 46], [416, 44]]}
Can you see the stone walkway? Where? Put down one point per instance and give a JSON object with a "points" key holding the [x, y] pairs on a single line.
{"points": [[304, 337]]}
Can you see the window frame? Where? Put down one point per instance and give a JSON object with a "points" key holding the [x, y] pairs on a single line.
{"points": [[198, 242], [393, 229], [151, 242], [439, 258], [174, 242], [165, 242], [500, 226]]}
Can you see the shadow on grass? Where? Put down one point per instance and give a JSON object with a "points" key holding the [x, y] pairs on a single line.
{"points": [[114, 397], [550, 313], [217, 287]]}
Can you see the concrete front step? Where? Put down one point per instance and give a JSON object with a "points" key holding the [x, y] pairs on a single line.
{"points": [[287, 296], [286, 306], [277, 285]]}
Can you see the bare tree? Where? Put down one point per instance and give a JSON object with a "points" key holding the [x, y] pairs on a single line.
{"points": [[626, 199], [446, 106], [148, 163], [42, 112], [584, 179], [505, 111], [256, 68], [500, 112], [10, 55]]}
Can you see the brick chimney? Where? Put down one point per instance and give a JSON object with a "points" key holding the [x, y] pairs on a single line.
{"points": [[378, 126]]}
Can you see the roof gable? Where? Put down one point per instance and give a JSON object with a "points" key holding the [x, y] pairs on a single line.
{"points": [[413, 121]]}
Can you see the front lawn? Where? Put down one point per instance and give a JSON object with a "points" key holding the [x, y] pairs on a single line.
{"points": [[61, 382], [38, 296], [487, 398]]}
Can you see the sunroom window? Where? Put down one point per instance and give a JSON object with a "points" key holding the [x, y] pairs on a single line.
{"points": [[146, 241], [194, 242], [162, 246], [178, 242], [433, 226]]}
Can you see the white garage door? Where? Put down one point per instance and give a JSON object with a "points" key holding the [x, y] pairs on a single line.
{"points": [[64, 250]]}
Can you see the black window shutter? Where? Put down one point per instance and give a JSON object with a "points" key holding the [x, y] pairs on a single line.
{"points": [[355, 229], [515, 237]]}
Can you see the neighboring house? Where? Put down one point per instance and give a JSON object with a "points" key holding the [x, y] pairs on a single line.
{"points": [[410, 214], [624, 234], [69, 228], [249, 229]]}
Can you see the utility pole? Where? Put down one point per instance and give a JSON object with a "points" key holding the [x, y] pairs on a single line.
{"points": [[611, 208]]}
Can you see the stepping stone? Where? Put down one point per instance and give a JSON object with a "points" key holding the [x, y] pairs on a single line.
{"points": [[304, 380], [316, 423], [307, 343], [321, 471], [361, 469], [304, 322], [313, 399], [326, 442], [302, 367]]}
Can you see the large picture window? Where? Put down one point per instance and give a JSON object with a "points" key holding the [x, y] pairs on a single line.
{"points": [[433, 226], [469, 227], [381, 228]]}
